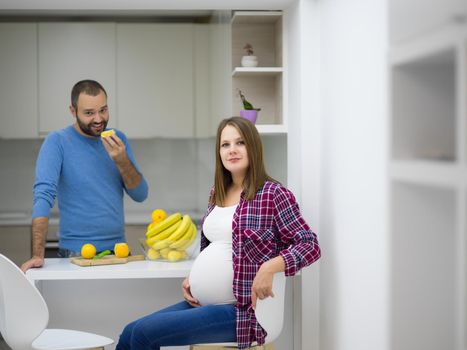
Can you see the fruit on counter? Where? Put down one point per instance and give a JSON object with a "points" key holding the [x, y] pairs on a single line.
{"points": [[171, 241], [164, 252], [102, 254], [164, 234], [107, 133], [161, 226], [88, 251], [158, 215], [185, 241], [121, 250], [153, 254], [164, 240], [174, 255]]}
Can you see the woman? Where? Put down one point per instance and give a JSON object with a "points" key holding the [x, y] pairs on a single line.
{"points": [[252, 229]]}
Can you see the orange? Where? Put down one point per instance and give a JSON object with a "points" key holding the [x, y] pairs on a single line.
{"points": [[158, 215], [88, 251], [121, 250]]}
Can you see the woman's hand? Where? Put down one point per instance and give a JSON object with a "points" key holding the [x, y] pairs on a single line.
{"points": [[262, 286], [187, 294]]}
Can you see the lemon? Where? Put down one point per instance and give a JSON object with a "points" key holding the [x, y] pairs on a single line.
{"points": [[153, 254], [88, 251], [121, 250], [158, 215]]}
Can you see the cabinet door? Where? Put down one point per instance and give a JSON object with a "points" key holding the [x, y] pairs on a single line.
{"points": [[18, 83], [155, 79], [69, 52]]}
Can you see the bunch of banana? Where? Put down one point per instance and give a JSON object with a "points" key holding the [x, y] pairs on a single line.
{"points": [[171, 237]]}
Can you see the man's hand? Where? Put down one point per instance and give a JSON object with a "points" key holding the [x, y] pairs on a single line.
{"points": [[187, 294], [34, 262], [115, 148]]}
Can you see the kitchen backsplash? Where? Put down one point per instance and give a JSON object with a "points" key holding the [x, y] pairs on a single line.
{"points": [[179, 172]]}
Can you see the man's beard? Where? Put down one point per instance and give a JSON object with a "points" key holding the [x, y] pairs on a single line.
{"points": [[87, 128]]}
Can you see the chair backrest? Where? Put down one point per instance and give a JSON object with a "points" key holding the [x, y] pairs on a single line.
{"points": [[23, 311], [270, 311]]}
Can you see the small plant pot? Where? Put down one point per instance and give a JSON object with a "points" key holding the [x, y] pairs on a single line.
{"points": [[249, 61], [250, 114]]}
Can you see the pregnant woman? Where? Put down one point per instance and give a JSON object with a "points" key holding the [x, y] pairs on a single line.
{"points": [[252, 229]]}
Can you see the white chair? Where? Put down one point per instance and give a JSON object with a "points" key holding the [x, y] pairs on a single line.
{"points": [[269, 313], [24, 316]]}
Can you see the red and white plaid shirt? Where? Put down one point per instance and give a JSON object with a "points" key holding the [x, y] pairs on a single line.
{"points": [[267, 226]]}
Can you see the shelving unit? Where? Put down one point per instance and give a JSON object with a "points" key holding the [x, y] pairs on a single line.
{"points": [[262, 85], [428, 191]]}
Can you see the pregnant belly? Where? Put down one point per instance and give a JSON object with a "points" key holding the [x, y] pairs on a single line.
{"points": [[211, 275]]}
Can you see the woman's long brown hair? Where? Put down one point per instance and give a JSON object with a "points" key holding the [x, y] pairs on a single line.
{"points": [[256, 173]]}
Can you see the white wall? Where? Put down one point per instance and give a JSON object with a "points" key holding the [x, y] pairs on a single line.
{"points": [[353, 211]]}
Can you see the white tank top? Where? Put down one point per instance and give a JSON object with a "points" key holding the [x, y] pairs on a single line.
{"points": [[211, 276]]}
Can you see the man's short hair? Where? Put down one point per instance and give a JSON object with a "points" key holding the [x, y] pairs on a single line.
{"points": [[89, 87]]}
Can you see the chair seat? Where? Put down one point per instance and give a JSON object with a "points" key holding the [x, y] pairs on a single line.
{"points": [[64, 339]]}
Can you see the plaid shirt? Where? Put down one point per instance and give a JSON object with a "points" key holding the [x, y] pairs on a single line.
{"points": [[263, 228]]}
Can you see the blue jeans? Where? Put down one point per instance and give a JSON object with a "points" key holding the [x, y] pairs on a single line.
{"points": [[180, 324]]}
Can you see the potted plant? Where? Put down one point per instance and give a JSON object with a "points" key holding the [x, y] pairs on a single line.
{"points": [[249, 60], [248, 111]]}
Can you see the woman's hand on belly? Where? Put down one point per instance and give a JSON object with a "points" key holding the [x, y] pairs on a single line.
{"points": [[187, 293]]}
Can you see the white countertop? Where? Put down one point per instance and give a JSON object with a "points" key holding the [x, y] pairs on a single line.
{"points": [[63, 269]]}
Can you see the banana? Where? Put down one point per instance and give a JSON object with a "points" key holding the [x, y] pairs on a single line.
{"points": [[185, 238], [164, 234], [185, 225], [164, 252], [188, 243], [172, 219], [160, 244], [174, 255]]}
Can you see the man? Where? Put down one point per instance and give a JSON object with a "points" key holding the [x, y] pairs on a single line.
{"points": [[88, 174]]}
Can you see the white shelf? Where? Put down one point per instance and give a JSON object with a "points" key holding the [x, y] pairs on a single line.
{"points": [[271, 129], [437, 174], [255, 71], [254, 17]]}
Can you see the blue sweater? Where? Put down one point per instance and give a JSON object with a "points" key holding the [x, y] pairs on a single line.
{"points": [[89, 187]]}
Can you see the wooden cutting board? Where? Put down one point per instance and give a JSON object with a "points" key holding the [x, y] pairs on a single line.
{"points": [[106, 260]]}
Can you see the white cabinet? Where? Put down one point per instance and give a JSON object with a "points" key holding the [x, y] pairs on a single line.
{"points": [[69, 52], [155, 79], [261, 85], [428, 182], [18, 87]]}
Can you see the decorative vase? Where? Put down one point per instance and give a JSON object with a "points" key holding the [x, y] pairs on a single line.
{"points": [[249, 61], [249, 114]]}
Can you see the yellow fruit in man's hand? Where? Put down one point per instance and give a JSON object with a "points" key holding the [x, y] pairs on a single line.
{"points": [[88, 251], [107, 133], [121, 250], [158, 215]]}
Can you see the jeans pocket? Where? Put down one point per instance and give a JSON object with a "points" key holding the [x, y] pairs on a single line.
{"points": [[258, 246]]}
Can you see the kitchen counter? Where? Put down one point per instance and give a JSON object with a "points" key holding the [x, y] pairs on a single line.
{"points": [[62, 269], [103, 299]]}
